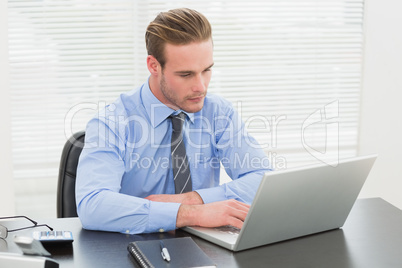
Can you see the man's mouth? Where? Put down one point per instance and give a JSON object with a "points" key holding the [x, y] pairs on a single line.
{"points": [[196, 99]]}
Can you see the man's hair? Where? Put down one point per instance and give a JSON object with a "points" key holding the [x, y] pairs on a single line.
{"points": [[177, 27]]}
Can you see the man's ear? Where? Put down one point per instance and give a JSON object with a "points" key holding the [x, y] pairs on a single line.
{"points": [[153, 65]]}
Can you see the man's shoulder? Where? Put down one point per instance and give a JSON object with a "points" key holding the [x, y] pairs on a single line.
{"points": [[216, 102], [128, 103], [131, 100]]}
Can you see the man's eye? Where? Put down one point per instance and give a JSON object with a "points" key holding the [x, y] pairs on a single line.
{"points": [[184, 75]]}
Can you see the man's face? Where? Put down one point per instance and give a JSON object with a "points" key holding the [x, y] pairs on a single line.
{"points": [[185, 77]]}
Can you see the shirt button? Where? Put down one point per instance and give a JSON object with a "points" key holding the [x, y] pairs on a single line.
{"points": [[127, 231], [161, 230]]}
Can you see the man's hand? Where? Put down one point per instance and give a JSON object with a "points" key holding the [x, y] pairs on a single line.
{"points": [[228, 212], [190, 198]]}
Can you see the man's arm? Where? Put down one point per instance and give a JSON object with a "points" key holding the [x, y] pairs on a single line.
{"points": [[100, 205], [190, 198], [227, 212], [193, 212], [242, 157]]}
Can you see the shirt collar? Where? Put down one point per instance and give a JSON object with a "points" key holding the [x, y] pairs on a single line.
{"points": [[156, 110]]}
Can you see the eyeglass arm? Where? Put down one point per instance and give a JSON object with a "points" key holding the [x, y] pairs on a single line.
{"points": [[15, 217]]}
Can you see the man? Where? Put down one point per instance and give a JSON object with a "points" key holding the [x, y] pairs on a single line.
{"points": [[128, 169]]}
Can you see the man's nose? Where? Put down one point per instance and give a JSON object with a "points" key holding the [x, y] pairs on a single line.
{"points": [[199, 83]]}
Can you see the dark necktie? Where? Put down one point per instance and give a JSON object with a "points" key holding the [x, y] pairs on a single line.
{"points": [[181, 170]]}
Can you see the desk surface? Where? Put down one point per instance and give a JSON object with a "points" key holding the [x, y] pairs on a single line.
{"points": [[371, 237]]}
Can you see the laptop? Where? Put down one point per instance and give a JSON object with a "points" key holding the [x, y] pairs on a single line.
{"points": [[296, 202]]}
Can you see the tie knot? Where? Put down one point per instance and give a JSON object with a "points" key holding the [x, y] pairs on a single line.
{"points": [[177, 121]]}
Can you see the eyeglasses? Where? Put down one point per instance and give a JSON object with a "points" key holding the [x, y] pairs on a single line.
{"points": [[4, 231]]}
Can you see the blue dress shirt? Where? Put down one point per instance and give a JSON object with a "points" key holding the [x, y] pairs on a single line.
{"points": [[127, 157]]}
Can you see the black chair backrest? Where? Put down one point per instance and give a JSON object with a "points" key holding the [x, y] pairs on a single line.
{"points": [[66, 206]]}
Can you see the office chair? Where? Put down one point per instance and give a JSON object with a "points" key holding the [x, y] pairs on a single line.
{"points": [[66, 206]]}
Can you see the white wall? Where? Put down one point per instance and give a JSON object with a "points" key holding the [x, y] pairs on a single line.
{"points": [[7, 204], [381, 114]]}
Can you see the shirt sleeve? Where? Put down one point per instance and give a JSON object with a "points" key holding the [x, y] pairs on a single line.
{"points": [[243, 159], [100, 205]]}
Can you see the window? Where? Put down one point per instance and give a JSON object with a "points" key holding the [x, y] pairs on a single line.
{"points": [[292, 68]]}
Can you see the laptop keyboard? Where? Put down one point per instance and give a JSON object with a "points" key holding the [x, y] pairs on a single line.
{"points": [[228, 229]]}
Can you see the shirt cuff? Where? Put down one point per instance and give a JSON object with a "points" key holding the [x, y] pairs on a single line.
{"points": [[162, 217], [210, 195]]}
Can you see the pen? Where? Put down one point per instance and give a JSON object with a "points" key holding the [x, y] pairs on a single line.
{"points": [[164, 252]]}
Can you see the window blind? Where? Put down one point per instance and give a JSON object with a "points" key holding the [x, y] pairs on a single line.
{"points": [[292, 68]]}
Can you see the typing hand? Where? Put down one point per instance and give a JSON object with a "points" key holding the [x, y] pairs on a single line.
{"points": [[228, 212]]}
